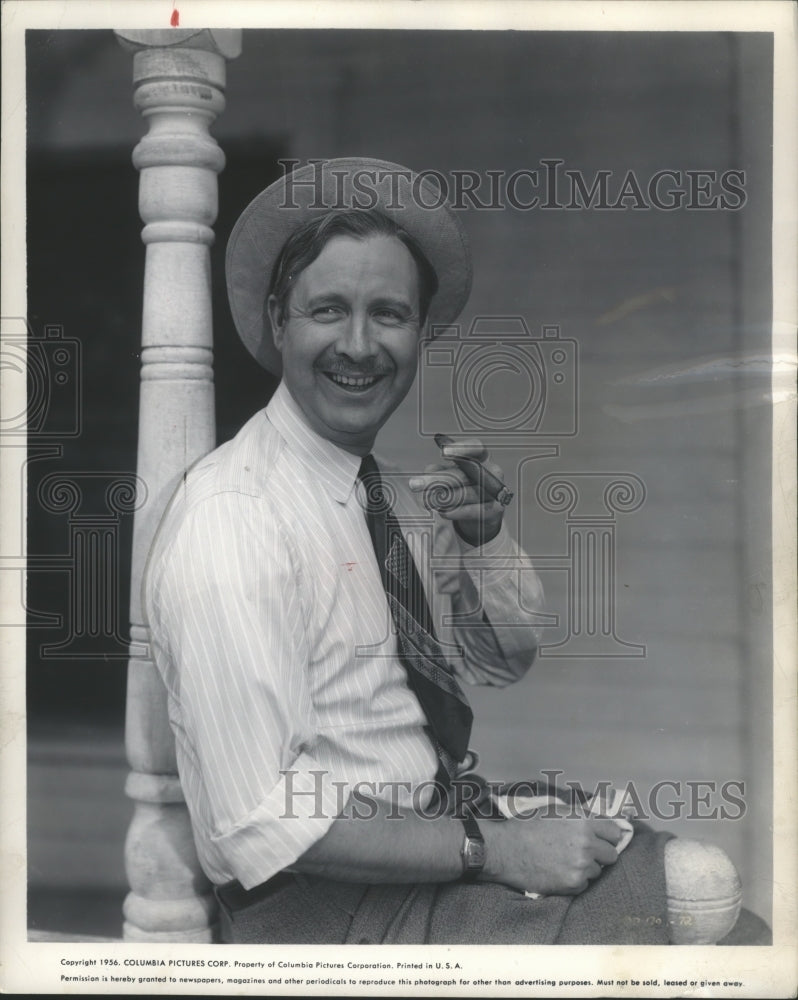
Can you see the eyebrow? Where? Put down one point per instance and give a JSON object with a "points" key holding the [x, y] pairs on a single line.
{"points": [[325, 298], [394, 302]]}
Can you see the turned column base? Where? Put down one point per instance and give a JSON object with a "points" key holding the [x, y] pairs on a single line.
{"points": [[170, 898]]}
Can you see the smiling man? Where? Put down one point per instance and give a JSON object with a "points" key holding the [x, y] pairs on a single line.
{"points": [[314, 614], [346, 314]]}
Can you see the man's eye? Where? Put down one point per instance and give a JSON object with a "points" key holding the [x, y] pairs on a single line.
{"points": [[388, 315], [327, 314]]}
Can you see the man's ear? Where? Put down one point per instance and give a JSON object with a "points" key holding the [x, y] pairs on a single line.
{"points": [[276, 320]]}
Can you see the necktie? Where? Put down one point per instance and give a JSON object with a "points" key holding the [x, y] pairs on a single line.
{"points": [[447, 710]]}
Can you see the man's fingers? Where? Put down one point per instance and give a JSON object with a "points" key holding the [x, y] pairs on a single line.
{"points": [[453, 496], [448, 478], [580, 887], [594, 870], [605, 854], [449, 488], [466, 448], [467, 470], [470, 511], [607, 829]]}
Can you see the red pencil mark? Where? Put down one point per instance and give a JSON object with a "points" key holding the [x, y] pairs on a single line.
{"points": [[349, 566], [175, 19]]}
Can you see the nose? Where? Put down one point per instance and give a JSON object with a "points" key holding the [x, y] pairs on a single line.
{"points": [[355, 341]]}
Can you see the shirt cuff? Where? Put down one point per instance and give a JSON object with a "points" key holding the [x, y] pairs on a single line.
{"points": [[295, 814], [511, 594], [501, 545]]}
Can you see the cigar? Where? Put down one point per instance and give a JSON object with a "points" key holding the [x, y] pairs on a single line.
{"points": [[490, 485]]}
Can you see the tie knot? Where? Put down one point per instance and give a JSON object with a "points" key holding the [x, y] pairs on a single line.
{"points": [[368, 469]]}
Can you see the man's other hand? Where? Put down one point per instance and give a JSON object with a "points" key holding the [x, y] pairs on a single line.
{"points": [[456, 489], [549, 855]]}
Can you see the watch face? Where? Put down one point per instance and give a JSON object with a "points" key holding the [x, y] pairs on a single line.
{"points": [[474, 853]]}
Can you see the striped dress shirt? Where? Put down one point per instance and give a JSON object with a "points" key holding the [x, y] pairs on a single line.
{"points": [[271, 629]]}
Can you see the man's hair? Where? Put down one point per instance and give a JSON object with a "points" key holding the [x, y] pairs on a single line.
{"points": [[307, 242]]}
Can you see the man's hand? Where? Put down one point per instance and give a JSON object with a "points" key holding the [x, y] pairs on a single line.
{"points": [[456, 490], [549, 855]]}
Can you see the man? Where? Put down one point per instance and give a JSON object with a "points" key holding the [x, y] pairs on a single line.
{"points": [[313, 614]]}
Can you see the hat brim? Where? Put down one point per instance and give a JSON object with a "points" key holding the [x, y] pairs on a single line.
{"points": [[413, 201]]}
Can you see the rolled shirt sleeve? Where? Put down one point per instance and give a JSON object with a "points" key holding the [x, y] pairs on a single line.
{"points": [[497, 603]]}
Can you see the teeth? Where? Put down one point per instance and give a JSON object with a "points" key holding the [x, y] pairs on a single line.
{"points": [[359, 382]]}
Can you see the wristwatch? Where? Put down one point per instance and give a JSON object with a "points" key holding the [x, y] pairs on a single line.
{"points": [[473, 850]]}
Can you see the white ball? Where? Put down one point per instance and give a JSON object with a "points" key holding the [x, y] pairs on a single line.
{"points": [[704, 892]]}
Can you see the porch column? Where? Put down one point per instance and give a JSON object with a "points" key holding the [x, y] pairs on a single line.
{"points": [[179, 79]]}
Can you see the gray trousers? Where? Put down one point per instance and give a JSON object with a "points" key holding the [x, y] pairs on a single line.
{"points": [[625, 905]]}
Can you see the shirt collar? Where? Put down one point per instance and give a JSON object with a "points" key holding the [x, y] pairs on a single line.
{"points": [[334, 467]]}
